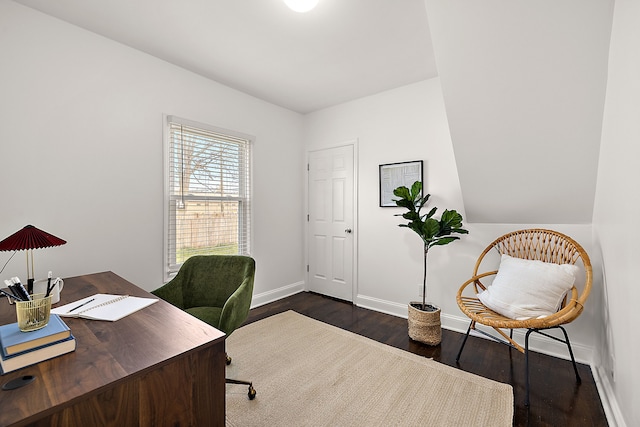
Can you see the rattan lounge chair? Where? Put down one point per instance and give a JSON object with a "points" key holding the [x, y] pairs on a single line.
{"points": [[530, 244]]}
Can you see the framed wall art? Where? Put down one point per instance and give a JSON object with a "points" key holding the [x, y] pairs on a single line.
{"points": [[394, 175]]}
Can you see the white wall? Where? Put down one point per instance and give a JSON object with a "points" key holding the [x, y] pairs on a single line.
{"points": [[81, 150], [410, 123], [616, 213], [518, 75], [405, 124]]}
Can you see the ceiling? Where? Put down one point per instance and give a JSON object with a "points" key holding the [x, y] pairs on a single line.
{"points": [[523, 83], [340, 51]]}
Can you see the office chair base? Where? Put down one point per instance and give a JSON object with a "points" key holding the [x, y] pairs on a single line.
{"points": [[252, 391]]}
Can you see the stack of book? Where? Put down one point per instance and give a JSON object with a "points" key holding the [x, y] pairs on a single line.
{"points": [[20, 349]]}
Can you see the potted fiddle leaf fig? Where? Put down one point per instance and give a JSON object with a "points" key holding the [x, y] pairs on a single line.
{"points": [[424, 318]]}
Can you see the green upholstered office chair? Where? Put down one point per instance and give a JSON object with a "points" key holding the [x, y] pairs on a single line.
{"points": [[216, 289]]}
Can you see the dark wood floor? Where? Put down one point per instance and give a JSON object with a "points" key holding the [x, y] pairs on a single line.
{"points": [[556, 399]]}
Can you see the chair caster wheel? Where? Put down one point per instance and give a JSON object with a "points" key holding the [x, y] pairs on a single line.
{"points": [[252, 393], [228, 361]]}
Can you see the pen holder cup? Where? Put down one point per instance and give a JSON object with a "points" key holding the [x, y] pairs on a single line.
{"points": [[34, 314]]}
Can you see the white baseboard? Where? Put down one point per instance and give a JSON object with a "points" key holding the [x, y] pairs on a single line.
{"points": [[382, 306], [537, 342], [276, 294], [607, 397]]}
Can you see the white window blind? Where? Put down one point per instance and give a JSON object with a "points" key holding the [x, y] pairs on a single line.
{"points": [[209, 205]]}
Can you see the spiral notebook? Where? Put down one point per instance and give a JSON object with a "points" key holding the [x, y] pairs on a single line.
{"points": [[103, 307]]}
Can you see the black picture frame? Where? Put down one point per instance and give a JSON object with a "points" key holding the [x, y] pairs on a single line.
{"points": [[394, 175]]}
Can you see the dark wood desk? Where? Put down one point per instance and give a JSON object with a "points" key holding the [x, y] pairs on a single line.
{"points": [[156, 367]]}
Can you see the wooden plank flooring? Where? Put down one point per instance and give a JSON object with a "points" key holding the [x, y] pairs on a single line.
{"points": [[556, 399]]}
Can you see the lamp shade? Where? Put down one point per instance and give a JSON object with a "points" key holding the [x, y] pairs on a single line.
{"points": [[30, 237]]}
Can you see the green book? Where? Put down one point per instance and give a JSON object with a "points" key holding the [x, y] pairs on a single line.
{"points": [[15, 341]]}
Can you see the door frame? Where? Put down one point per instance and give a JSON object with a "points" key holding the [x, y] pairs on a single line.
{"points": [[354, 144]]}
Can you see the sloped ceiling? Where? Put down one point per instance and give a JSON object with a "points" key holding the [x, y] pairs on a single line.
{"points": [[524, 87]]}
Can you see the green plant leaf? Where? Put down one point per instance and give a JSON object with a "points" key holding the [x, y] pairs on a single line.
{"points": [[402, 192], [452, 218], [403, 203], [416, 226], [430, 229], [444, 241], [451, 221], [411, 216], [431, 212], [416, 188]]}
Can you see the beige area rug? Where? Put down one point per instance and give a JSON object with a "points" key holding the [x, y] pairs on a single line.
{"points": [[308, 373]]}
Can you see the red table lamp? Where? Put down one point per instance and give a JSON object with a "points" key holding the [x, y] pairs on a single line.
{"points": [[30, 238]]}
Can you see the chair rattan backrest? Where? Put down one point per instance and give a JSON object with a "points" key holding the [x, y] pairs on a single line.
{"points": [[543, 245]]}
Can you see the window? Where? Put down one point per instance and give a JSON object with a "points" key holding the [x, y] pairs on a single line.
{"points": [[207, 196]]}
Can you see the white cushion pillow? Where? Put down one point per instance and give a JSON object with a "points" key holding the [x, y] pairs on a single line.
{"points": [[525, 289]]}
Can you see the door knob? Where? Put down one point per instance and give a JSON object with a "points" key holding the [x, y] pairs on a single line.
{"points": [[348, 231]]}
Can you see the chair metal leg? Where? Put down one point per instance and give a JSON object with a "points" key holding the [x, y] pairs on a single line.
{"points": [[464, 341], [252, 391], [526, 366], [241, 382], [573, 360], [526, 355], [526, 352]]}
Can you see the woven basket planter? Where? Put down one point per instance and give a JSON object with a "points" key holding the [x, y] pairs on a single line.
{"points": [[424, 326]]}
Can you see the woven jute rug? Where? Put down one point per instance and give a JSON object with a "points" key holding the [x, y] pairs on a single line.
{"points": [[308, 373]]}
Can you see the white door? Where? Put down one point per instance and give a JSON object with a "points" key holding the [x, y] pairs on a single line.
{"points": [[331, 231]]}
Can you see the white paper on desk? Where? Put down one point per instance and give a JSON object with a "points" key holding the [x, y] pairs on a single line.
{"points": [[104, 307]]}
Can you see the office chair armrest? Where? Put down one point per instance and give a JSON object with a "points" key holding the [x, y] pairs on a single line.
{"points": [[172, 293], [236, 309]]}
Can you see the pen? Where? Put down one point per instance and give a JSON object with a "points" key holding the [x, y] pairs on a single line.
{"points": [[52, 285], [77, 307], [20, 289], [9, 284], [10, 295], [48, 285], [15, 292]]}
